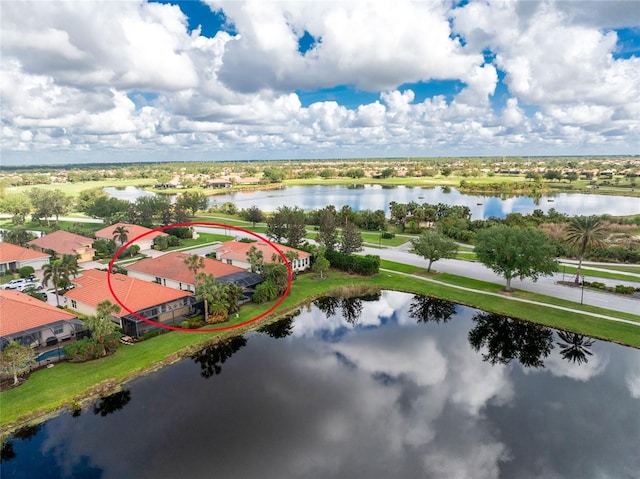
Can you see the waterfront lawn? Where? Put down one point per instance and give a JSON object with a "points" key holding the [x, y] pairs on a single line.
{"points": [[74, 189]]}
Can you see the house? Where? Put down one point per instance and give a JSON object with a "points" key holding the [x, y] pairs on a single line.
{"points": [[171, 270], [63, 242], [218, 184], [13, 257], [133, 231], [150, 300], [235, 253], [34, 323]]}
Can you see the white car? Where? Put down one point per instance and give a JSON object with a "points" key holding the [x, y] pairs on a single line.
{"points": [[30, 284], [15, 283]]}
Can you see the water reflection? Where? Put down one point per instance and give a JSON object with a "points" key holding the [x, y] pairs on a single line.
{"points": [[505, 339], [23, 434], [426, 308], [575, 347], [280, 329], [350, 308], [213, 357], [390, 396], [112, 403]]}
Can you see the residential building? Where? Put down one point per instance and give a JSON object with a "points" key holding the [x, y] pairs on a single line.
{"points": [[133, 231], [62, 242], [149, 300], [13, 257], [235, 253], [32, 322], [171, 270]]}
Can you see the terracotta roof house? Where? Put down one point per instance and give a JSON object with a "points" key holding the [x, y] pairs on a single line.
{"points": [[235, 253], [63, 242], [133, 231], [152, 301], [13, 257], [32, 322], [171, 270]]}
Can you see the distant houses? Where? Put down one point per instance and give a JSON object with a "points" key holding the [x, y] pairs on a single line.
{"points": [[150, 300], [62, 242], [235, 253], [13, 257], [133, 231]]}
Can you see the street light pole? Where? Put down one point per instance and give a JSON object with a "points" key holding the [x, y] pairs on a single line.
{"points": [[582, 294]]}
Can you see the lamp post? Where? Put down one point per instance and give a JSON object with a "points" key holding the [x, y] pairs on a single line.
{"points": [[564, 266], [582, 294]]}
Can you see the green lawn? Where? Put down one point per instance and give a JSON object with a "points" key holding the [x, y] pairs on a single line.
{"points": [[572, 270], [73, 189]]}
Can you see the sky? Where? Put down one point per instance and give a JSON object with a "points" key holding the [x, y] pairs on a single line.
{"points": [[229, 80]]}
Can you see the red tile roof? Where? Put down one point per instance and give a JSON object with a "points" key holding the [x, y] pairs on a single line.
{"points": [[63, 242], [11, 252], [172, 266], [237, 250], [92, 288], [133, 232], [20, 312]]}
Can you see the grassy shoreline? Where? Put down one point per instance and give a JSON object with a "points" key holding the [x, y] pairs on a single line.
{"points": [[50, 391]]}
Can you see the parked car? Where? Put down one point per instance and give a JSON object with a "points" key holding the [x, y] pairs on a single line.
{"points": [[30, 284], [14, 283]]}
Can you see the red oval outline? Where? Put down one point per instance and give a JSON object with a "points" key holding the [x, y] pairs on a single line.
{"points": [[200, 223]]}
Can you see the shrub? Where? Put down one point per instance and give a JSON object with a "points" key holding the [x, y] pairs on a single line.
{"points": [[622, 289], [173, 240], [26, 271], [182, 232], [364, 265], [387, 235]]}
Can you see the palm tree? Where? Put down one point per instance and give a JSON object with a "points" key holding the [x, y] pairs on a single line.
{"points": [[194, 264], [70, 264], [214, 295], [101, 325], [121, 234], [55, 272], [256, 259], [583, 233]]}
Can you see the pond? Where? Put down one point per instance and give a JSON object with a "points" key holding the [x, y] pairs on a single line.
{"points": [[388, 386], [376, 197]]}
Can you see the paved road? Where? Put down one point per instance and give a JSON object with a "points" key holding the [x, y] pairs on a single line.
{"points": [[546, 285]]}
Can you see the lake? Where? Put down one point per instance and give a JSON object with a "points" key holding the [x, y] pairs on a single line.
{"points": [[389, 386], [377, 197]]}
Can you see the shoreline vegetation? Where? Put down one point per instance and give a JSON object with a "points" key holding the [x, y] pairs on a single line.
{"points": [[69, 386]]}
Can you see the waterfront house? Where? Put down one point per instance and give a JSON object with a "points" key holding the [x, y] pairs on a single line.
{"points": [[13, 257], [150, 300], [32, 322], [133, 231], [62, 242], [235, 253], [171, 270]]}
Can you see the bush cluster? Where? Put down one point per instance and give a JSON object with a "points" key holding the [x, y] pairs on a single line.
{"points": [[87, 349], [364, 265], [618, 288]]}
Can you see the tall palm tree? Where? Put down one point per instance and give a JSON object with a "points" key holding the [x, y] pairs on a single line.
{"points": [[70, 263], [121, 234], [101, 325], [194, 264], [55, 272], [583, 233], [256, 259]]}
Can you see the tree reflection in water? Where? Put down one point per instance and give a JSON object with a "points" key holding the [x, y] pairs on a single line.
{"points": [[350, 308], [280, 329], [506, 339], [426, 308], [25, 433], [112, 403], [212, 357], [575, 346]]}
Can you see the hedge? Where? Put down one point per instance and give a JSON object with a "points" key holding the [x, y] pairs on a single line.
{"points": [[365, 265]]}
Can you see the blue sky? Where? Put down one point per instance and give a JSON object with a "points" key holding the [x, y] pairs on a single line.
{"points": [[262, 79]]}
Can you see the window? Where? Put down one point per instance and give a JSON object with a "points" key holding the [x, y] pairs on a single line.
{"points": [[58, 330], [74, 305], [158, 280], [229, 261]]}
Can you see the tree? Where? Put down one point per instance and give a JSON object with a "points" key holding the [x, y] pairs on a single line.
{"points": [[16, 358], [321, 264], [18, 205], [572, 176], [433, 246], [120, 234], [194, 264], [56, 273], [48, 203], [327, 227], [101, 325], [253, 214], [351, 240], [277, 274], [192, 201], [584, 233], [18, 236], [516, 252], [505, 339], [256, 260], [287, 223], [215, 298]]}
